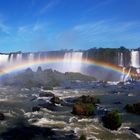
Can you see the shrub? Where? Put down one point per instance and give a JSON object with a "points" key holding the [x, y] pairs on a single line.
{"points": [[83, 109], [82, 137], [112, 120], [133, 108]]}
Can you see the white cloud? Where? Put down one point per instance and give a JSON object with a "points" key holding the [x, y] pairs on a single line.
{"points": [[4, 28], [48, 6], [108, 32]]}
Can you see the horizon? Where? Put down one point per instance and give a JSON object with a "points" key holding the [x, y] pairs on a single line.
{"points": [[50, 25]]}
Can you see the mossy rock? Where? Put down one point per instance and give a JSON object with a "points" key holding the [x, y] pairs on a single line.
{"points": [[88, 99], [83, 109], [133, 108]]}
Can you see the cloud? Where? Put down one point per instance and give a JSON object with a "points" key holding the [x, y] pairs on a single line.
{"points": [[100, 4], [4, 28], [108, 32], [48, 6]]}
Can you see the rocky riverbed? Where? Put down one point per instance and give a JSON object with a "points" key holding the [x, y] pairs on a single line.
{"points": [[39, 114]]}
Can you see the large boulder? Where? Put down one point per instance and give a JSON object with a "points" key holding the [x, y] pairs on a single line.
{"points": [[133, 108], [112, 120], [46, 94], [36, 108], [2, 117], [83, 109]]}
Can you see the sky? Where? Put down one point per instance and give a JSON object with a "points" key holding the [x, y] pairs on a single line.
{"points": [[44, 25]]}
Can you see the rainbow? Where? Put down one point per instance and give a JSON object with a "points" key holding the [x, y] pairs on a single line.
{"points": [[25, 64]]}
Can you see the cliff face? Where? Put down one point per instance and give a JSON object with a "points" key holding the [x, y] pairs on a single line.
{"points": [[118, 56]]}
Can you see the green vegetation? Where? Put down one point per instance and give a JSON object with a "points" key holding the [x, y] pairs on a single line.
{"points": [[112, 120], [133, 108], [85, 105], [88, 99], [82, 137], [83, 109], [43, 78], [78, 76]]}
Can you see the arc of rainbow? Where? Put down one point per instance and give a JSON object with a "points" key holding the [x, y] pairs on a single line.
{"points": [[26, 64]]}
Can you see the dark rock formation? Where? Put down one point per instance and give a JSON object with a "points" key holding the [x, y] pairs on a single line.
{"points": [[46, 94], [36, 108], [55, 100], [2, 117], [133, 108]]}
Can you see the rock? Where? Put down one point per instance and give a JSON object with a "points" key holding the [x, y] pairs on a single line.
{"points": [[2, 117], [36, 108], [133, 108], [55, 100], [83, 109], [133, 130], [46, 94]]}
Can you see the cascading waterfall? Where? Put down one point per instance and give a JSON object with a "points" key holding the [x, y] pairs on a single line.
{"points": [[4, 59], [135, 59], [72, 62], [69, 64], [19, 58], [30, 57], [120, 59]]}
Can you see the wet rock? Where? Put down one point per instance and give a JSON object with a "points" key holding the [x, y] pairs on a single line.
{"points": [[133, 130], [36, 108], [133, 108], [46, 94], [55, 100], [2, 117], [41, 101]]}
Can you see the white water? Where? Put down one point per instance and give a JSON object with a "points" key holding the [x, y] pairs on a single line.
{"points": [[4, 59], [70, 64], [135, 59], [120, 59]]}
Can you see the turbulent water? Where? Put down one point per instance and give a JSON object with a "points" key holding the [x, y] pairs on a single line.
{"points": [[17, 103]]}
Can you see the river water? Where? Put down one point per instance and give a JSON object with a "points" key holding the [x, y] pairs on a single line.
{"points": [[17, 103]]}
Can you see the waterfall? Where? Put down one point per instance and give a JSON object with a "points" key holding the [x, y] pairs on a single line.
{"points": [[30, 57], [72, 62], [19, 58], [3, 59], [135, 59], [120, 59]]}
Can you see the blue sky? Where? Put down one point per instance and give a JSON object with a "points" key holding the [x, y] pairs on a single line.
{"points": [[41, 25]]}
